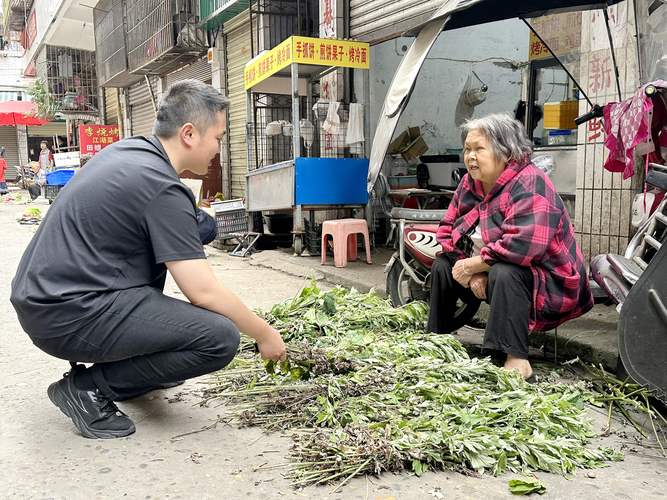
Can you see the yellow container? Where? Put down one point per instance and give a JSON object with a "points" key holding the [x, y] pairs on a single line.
{"points": [[560, 115]]}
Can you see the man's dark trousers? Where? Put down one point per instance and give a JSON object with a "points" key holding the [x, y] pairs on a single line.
{"points": [[146, 339]]}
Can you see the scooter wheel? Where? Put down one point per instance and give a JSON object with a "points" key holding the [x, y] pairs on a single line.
{"points": [[401, 288]]}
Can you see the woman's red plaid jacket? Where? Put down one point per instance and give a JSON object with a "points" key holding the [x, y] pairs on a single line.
{"points": [[523, 221]]}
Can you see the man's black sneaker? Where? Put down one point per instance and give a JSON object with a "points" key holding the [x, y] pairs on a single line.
{"points": [[93, 414]]}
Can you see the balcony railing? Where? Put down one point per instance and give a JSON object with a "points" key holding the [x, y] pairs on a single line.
{"points": [[71, 78], [15, 14], [162, 35], [112, 67]]}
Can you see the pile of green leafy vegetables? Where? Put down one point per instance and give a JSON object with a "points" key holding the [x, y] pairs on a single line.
{"points": [[366, 390]]}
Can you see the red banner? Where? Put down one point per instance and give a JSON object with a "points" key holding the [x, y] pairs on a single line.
{"points": [[93, 138]]}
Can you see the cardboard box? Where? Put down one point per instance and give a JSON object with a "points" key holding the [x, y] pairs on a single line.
{"points": [[410, 144], [560, 115]]}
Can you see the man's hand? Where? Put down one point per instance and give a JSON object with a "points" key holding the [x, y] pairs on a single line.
{"points": [[273, 347], [478, 285]]}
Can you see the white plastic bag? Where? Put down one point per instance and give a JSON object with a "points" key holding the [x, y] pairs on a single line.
{"points": [[545, 163]]}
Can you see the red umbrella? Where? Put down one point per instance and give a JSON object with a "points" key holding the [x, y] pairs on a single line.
{"points": [[14, 113]]}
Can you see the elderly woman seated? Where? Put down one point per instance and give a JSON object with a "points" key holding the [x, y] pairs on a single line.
{"points": [[506, 239]]}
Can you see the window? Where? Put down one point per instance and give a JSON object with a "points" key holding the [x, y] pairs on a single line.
{"points": [[549, 84]]}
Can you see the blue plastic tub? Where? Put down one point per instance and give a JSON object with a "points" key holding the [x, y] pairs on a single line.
{"points": [[59, 177]]}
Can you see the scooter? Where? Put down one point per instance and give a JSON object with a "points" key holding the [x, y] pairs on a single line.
{"points": [[616, 274], [409, 269]]}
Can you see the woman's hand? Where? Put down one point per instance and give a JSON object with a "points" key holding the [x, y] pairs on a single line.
{"points": [[464, 269], [478, 285], [461, 273]]}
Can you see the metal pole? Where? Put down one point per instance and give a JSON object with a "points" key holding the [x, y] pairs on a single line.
{"points": [[252, 42], [613, 53], [150, 91], [296, 112], [366, 80], [248, 107], [296, 147], [119, 116], [637, 36], [308, 113], [253, 116], [248, 119]]}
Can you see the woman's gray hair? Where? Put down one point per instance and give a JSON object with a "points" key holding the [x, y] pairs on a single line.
{"points": [[507, 136], [188, 101]]}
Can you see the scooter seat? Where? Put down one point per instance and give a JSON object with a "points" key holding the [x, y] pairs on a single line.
{"points": [[657, 176], [625, 267], [416, 214], [615, 285]]}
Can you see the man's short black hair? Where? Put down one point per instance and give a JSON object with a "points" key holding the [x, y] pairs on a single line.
{"points": [[188, 101]]}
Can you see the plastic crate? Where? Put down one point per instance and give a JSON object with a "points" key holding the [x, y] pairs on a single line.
{"points": [[228, 205], [312, 237], [51, 191], [231, 221], [59, 177]]}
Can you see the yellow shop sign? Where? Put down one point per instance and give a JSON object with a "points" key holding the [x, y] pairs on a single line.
{"points": [[329, 52]]}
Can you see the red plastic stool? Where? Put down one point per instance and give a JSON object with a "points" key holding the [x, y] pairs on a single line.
{"points": [[344, 234]]}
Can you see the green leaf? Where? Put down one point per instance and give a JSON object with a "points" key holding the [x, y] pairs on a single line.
{"points": [[501, 465], [285, 366], [526, 486], [270, 366], [418, 467], [329, 305]]}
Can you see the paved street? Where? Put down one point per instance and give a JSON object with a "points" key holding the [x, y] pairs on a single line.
{"points": [[42, 457]]}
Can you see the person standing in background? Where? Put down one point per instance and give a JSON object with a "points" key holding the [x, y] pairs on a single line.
{"points": [[45, 156], [3, 169]]}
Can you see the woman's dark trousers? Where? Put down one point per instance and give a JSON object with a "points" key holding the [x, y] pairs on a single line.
{"points": [[509, 294]]}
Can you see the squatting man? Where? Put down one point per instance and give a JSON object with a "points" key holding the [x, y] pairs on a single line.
{"points": [[89, 287]]}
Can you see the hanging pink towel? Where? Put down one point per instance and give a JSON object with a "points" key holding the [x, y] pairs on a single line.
{"points": [[627, 127]]}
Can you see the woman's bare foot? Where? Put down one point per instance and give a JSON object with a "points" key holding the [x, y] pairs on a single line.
{"points": [[518, 364]]}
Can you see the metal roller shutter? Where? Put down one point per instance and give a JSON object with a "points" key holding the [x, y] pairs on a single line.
{"points": [[377, 20], [48, 130], [142, 113], [110, 106], [200, 70], [9, 142], [238, 54]]}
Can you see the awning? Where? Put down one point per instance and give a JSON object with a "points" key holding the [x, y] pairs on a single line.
{"points": [[464, 13], [14, 113], [451, 15], [214, 13]]}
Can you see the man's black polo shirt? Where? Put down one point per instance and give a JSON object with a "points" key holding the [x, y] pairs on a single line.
{"points": [[112, 227]]}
